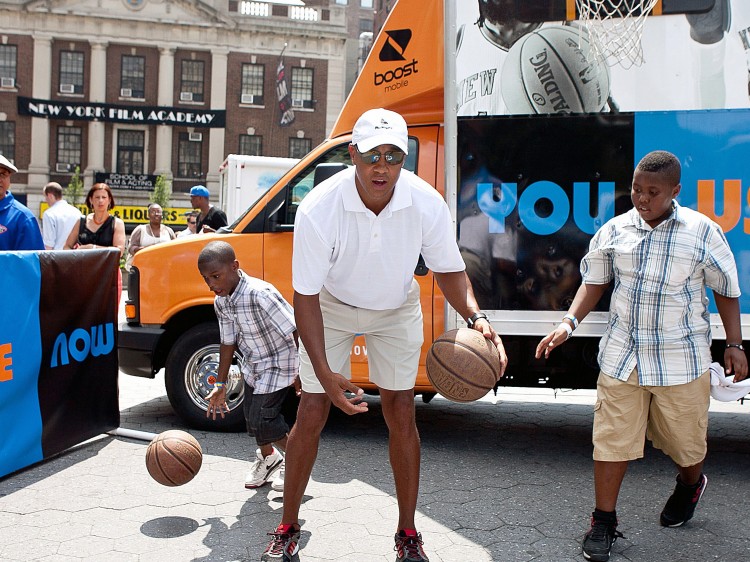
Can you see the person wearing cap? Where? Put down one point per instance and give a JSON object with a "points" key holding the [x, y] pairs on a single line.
{"points": [[210, 219], [59, 219], [357, 239], [19, 229]]}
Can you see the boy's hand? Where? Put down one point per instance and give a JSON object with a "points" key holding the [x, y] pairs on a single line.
{"points": [[217, 402], [335, 386], [552, 340], [297, 386], [735, 361]]}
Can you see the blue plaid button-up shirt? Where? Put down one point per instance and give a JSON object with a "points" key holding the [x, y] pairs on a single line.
{"points": [[258, 319], [658, 316]]}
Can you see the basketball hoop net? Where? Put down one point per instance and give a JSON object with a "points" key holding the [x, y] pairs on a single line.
{"points": [[615, 28]]}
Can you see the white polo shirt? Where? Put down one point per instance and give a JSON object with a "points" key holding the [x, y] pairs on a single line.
{"points": [[367, 260]]}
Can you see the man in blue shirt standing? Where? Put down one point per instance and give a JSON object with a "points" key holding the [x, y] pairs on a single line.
{"points": [[19, 229]]}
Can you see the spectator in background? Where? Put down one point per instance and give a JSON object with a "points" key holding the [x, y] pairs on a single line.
{"points": [[98, 229], [59, 219], [192, 221], [210, 219], [153, 232], [18, 227]]}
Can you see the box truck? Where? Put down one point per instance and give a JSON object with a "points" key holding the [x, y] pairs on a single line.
{"points": [[243, 179], [531, 141]]}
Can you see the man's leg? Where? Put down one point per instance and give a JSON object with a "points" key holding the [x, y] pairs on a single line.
{"points": [[301, 452], [690, 474], [404, 451]]}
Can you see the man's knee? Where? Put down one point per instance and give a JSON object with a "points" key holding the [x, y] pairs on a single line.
{"points": [[312, 413]]}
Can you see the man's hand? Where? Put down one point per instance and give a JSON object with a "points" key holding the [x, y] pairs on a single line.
{"points": [[489, 332], [217, 402], [335, 386]]}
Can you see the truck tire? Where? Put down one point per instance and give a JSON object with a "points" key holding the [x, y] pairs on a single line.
{"points": [[190, 371]]}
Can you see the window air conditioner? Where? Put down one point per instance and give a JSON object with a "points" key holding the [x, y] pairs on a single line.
{"points": [[8, 82], [298, 103], [195, 137], [247, 98], [67, 88], [186, 96], [126, 93], [60, 167]]}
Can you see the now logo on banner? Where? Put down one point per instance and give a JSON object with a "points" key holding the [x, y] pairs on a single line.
{"points": [[100, 340]]}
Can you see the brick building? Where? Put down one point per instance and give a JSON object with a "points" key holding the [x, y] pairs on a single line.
{"points": [[131, 89]]}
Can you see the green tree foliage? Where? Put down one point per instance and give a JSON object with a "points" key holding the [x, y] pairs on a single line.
{"points": [[74, 191], [162, 193]]}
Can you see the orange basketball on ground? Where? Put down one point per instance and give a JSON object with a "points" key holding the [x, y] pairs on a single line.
{"points": [[463, 365], [173, 458]]}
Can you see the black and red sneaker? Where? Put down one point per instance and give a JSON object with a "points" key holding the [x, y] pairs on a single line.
{"points": [[598, 542], [283, 546], [409, 546], [681, 504]]}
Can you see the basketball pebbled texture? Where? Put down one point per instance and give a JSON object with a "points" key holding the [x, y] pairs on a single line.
{"points": [[173, 458], [547, 72], [463, 365]]}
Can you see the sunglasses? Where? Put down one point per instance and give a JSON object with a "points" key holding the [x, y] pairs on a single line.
{"points": [[192, 222], [372, 157]]}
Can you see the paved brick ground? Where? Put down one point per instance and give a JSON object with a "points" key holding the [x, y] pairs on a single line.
{"points": [[506, 481]]}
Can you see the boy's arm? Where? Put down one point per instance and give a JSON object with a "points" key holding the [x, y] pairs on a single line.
{"points": [[217, 398], [585, 300], [735, 359]]}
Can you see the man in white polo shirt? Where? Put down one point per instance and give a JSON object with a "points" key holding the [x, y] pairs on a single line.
{"points": [[59, 219], [357, 240]]}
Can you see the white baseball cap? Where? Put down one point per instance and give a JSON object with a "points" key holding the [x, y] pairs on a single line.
{"points": [[724, 388], [5, 163], [380, 126]]}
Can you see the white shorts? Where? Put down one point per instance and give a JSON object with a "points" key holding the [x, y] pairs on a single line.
{"points": [[394, 341]]}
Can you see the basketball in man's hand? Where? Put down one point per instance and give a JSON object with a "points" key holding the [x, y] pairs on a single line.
{"points": [[463, 365], [173, 458]]}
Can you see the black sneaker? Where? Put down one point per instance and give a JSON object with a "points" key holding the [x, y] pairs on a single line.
{"points": [[409, 548], [283, 546], [599, 540], [681, 504]]}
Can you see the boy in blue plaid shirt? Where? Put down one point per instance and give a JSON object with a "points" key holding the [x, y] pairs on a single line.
{"points": [[655, 353], [255, 320]]}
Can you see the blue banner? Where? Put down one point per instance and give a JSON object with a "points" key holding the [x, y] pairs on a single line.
{"points": [[20, 359]]}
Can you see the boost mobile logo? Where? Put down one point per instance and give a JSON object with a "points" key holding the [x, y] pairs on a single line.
{"points": [[395, 45], [393, 51]]}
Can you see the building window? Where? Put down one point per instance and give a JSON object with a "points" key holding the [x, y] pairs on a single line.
{"points": [[302, 87], [68, 148], [189, 156], [252, 145], [365, 25], [8, 65], [192, 80], [8, 139], [133, 77], [71, 72], [252, 84], [299, 147], [365, 3], [130, 149], [342, 2]]}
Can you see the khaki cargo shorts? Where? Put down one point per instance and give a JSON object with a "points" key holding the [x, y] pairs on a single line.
{"points": [[673, 418], [394, 341]]}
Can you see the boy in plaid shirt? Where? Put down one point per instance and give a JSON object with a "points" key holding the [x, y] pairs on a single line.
{"points": [[255, 320]]}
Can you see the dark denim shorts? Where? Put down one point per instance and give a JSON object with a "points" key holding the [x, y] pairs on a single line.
{"points": [[264, 416]]}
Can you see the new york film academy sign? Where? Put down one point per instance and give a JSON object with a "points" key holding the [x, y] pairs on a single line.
{"points": [[115, 113]]}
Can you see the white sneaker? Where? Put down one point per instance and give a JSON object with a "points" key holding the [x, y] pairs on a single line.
{"points": [[262, 468], [277, 484]]}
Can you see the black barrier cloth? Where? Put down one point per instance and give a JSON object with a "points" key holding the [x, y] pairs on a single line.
{"points": [[78, 374]]}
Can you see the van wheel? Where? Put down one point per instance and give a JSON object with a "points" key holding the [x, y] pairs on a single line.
{"points": [[191, 369]]}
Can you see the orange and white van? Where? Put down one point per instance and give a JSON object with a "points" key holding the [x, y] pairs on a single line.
{"points": [[528, 186]]}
